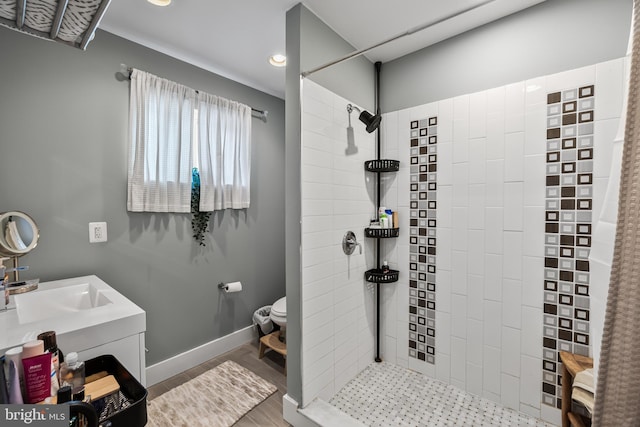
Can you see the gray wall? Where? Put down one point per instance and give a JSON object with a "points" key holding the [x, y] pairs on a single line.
{"points": [[63, 128], [310, 43], [554, 36]]}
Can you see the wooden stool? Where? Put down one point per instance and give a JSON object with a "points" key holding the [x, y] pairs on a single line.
{"points": [[273, 342], [571, 365]]}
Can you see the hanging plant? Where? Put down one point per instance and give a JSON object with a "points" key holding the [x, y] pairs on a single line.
{"points": [[199, 220]]}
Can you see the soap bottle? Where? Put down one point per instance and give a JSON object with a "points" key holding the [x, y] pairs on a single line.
{"points": [[51, 346], [385, 267], [72, 373]]}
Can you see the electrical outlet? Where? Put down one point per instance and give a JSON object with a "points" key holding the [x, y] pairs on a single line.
{"points": [[97, 232]]}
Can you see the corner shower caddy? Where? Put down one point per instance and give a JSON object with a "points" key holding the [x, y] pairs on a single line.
{"points": [[376, 275]]}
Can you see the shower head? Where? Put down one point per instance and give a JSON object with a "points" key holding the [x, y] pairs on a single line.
{"points": [[371, 121]]}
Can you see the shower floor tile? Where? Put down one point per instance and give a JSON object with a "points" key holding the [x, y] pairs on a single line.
{"points": [[387, 395]]}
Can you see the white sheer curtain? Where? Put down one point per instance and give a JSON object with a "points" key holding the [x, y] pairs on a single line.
{"points": [[225, 153], [160, 141]]}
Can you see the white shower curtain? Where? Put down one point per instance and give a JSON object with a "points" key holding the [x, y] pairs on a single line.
{"points": [[225, 153], [160, 140]]}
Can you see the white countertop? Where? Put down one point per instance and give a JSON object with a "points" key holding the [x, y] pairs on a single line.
{"points": [[76, 330]]}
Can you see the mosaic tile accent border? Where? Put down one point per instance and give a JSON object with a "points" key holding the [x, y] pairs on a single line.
{"points": [[422, 238], [568, 225]]}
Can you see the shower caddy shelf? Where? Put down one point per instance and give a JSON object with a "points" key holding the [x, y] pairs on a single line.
{"points": [[376, 275]]}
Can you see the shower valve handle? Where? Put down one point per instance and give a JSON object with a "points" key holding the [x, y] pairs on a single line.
{"points": [[349, 243]]}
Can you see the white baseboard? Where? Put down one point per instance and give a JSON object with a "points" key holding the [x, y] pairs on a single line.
{"points": [[190, 358]]}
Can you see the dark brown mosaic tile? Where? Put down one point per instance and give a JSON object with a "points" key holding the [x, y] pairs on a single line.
{"points": [[570, 116], [424, 208]]}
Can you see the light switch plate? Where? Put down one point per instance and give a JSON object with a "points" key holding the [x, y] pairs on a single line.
{"points": [[97, 232]]}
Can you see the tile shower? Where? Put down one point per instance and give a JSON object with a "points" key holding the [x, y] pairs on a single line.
{"points": [[498, 192]]}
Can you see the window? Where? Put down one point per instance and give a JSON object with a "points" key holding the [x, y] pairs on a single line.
{"points": [[174, 128]]}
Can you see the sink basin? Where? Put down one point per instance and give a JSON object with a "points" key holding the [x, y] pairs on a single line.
{"points": [[54, 303]]}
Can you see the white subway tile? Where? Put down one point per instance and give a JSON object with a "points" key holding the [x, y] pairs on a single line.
{"points": [[443, 367], [460, 185], [445, 121], [510, 351], [491, 370], [443, 246], [494, 228], [492, 323], [512, 261], [551, 415], [514, 107], [443, 332], [458, 361], [530, 380], [445, 206], [475, 253], [494, 192], [474, 379], [513, 206], [461, 108], [475, 301], [445, 164], [493, 275], [535, 130], [532, 282], [474, 341], [534, 180], [510, 391], [478, 114], [495, 135], [458, 316], [460, 144], [533, 231], [459, 272], [514, 157], [531, 344], [535, 92], [476, 206], [477, 161], [460, 220], [512, 303], [443, 291], [604, 134], [609, 90]]}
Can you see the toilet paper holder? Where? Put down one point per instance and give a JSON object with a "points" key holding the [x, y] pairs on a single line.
{"points": [[230, 287]]}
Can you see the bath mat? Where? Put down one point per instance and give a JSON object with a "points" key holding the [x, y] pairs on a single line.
{"points": [[217, 398]]}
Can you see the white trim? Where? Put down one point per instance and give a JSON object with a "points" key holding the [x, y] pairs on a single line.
{"points": [[291, 414], [190, 358]]}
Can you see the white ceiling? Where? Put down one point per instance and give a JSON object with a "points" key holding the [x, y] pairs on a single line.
{"points": [[234, 38]]}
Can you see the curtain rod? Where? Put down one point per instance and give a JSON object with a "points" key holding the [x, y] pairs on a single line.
{"points": [[396, 37], [126, 71]]}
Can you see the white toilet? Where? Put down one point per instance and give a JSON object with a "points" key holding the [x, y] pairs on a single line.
{"points": [[279, 316]]}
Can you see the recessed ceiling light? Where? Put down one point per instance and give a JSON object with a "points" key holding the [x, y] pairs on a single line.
{"points": [[278, 60], [160, 2]]}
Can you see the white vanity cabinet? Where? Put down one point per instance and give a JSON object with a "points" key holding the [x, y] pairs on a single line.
{"points": [[88, 316]]}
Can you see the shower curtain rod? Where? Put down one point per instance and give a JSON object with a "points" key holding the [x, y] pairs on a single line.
{"points": [[263, 113], [396, 37]]}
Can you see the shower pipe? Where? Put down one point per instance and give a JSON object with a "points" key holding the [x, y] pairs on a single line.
{"points": [[126, 72], [378, 65], [394, 38]]}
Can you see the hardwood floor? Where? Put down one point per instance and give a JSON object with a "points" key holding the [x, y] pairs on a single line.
{"points": [[271, 368]]}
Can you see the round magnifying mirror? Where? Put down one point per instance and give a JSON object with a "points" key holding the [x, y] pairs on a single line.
{"points": [[18, 233]]}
